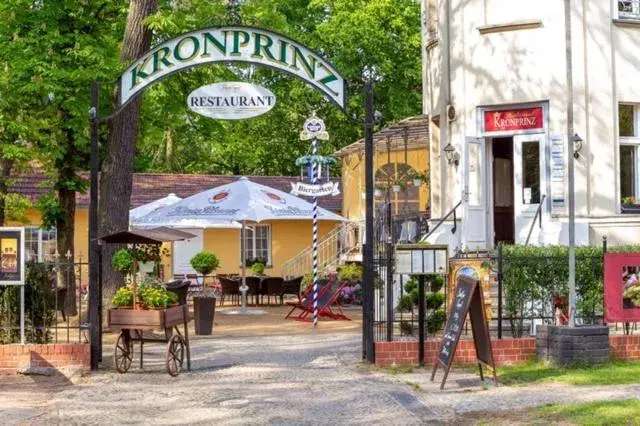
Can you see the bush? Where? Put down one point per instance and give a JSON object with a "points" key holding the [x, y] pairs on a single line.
{"points": [[435, 300], [436, 321], [406, 328], [122, 261], [350, 272], [258, 268], [39, 307], [437, 282], [123, 298], [205, 262], [405, 304], [157, 297]]}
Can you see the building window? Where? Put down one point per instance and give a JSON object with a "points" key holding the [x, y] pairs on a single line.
{"points": [[629, 132], [40, 244], [629, 9], [258, 243], [408, 199], [530, 173]]}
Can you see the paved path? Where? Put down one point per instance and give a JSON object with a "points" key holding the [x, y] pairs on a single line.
{"points": [[303, 379]]}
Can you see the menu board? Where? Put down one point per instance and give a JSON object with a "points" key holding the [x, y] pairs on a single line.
{"points": [[557, 171], [12, 268], [467, 298]]}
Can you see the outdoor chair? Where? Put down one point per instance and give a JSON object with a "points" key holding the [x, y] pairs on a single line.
{"points": [[229, 288], [254, 288], [180, 288], [291, 286], [272, 286], [328, 293]]}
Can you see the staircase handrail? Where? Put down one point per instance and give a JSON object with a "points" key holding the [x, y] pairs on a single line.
{"points": [[538, 216], [441, 221]]}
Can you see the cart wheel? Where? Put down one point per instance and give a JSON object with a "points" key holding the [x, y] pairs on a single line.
{"points": [[175, 355], [123, 353]]}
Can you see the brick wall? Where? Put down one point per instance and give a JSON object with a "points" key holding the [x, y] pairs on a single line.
{"points": [[624, 347], [19, 357], [505, 351]]}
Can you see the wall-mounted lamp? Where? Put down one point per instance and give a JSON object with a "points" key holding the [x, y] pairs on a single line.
{"points": [[452, 155], [577, 145]]}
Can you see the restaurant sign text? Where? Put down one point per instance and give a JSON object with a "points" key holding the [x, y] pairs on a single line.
{"points": [[231, 101], [514, 120]]}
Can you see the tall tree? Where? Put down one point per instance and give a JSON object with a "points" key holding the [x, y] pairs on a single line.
{"points": [[52, 50], [117, 170]]}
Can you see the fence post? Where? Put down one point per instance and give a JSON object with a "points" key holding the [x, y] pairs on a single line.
{"points": [[421, 320], [500, 291], [604, 244], [389, 291]]}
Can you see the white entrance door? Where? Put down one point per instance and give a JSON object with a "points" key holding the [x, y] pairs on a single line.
{"points": [[530, 186], [474, 197], [184, 250]]}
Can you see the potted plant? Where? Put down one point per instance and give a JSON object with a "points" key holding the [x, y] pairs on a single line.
{"points": [[398, 185], [204, 302], [123, 298], [378, 190], [258, 269], [204, 307], [630, 205], [418, 178], [122, 261]]}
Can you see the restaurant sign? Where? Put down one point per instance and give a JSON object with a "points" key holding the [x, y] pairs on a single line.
{"points": [[233, 44], [315, 190], [231, 101], [514, 119]]}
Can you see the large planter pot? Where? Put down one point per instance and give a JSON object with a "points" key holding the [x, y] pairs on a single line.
{"points": [[204, 310]]}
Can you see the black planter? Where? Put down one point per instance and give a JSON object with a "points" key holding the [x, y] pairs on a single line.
{"points": [[204, 309]]}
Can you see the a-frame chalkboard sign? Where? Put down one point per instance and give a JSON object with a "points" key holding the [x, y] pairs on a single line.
{"points": [[467, 298]]}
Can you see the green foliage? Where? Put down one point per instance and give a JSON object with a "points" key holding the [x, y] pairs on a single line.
{"points": [[350, 272], [437, 282], [16, 206], [532, 274], [50, 210], [406, 328], [595, 413], [257, 268], [122, 261], [123, 298], [39, 307], [405, 304], [157, 297], [435, 300], [436, 321], [205, 262]]}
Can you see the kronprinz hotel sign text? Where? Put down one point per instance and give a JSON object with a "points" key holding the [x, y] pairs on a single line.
{"points": [[513, 120], [233, 44]]}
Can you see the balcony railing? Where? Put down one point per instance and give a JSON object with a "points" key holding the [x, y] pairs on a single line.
{"points": [[629, 9]]}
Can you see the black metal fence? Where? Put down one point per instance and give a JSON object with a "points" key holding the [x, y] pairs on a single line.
{"points": [[55, 304]]}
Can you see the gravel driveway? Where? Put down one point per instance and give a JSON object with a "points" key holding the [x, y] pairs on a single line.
{"points": [[302, 379]]}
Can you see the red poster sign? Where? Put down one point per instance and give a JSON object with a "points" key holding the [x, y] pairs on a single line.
{"points": [[514, 119], [622, 287]]}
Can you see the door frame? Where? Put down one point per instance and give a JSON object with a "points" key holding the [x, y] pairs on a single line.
{"points": [[488, 147]]}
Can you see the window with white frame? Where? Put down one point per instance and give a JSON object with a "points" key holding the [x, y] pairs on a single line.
{"points": [[629, 132], [628, 9], [40, 244], [258, 243]]}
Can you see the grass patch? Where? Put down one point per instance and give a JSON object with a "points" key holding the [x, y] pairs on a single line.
{"points": [[626, 412], [399, 369], [612, 373]]}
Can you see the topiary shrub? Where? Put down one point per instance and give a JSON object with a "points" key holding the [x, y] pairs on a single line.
{"points": [[405, 304], [436, 321], [257, 269], [205, 262], [435, 300], [122, 261]]}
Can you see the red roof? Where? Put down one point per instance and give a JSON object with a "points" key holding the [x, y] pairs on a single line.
{"points": [[148, 187]]}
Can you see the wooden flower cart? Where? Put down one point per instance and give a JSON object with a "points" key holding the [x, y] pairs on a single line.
{"points": [[133, 323]]}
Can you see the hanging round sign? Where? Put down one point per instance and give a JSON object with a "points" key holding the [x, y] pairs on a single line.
{"points": [[231, 101]]}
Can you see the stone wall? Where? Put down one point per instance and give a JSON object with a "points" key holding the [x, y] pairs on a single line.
{"points": [[568, 345]]}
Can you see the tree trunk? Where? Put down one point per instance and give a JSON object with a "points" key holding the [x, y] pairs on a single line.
{"points": [[66, 251], [6, 166], [117, 172]]}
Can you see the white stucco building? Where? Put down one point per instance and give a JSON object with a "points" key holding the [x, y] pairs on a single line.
{"points": [[495, 87]]}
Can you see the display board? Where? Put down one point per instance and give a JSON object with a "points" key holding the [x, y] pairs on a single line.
{"points": [[12, 258], [467, 299], [622, 287]]}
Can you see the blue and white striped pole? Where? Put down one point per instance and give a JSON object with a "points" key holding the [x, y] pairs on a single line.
{"points": [[315, 165]]}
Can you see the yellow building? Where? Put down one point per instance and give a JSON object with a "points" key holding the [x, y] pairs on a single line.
{"points": [[277, 241], [400, 151]]}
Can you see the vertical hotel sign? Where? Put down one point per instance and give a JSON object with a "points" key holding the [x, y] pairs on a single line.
{"points": [[509, 120], [12, 259]]}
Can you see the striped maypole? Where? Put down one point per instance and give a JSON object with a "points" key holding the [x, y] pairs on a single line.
{"points": [[315, 165]]}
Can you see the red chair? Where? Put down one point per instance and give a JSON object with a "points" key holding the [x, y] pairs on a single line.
{"points": [[327, 296]]}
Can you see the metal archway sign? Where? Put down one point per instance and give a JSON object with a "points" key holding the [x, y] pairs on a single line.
{"points": [[233, 44]]}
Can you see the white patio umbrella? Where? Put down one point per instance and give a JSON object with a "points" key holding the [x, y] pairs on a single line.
{"points": [[145, 209], [233, 205]]}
